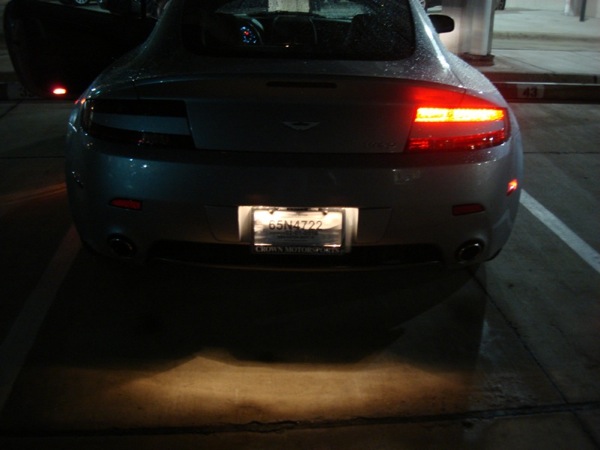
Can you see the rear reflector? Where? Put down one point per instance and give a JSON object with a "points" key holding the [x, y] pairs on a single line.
{"points": [[126, 203], [470, 208]]}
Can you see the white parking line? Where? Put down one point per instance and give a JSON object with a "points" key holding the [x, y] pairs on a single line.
{"points": [[21, 337], [578, 245]]}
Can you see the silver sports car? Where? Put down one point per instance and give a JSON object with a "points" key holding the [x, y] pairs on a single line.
{"points": [[294, 134]]}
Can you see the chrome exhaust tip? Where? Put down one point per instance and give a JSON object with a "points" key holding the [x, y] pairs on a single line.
{"points": [[469, 251], [121, 246]]}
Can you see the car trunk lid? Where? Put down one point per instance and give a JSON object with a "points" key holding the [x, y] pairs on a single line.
{"points": [[296, 114]]}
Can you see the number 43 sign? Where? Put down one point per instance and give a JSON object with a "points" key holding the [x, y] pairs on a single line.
{"points": [[530, 91]]}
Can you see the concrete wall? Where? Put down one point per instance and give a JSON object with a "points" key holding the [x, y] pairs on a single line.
{"points": [[592, 7]]}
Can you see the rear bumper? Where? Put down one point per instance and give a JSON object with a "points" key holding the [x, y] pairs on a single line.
{"points": [[191, 202]]}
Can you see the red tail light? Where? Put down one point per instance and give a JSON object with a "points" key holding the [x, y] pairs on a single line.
{"points": [[59, 91], [458, 128]]}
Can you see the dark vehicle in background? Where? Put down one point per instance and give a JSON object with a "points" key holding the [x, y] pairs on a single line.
{"points": [[53, 46]]}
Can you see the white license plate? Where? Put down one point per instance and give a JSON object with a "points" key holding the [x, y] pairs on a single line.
{"points": [[291, 231]]}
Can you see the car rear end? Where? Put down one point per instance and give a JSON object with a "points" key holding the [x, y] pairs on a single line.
{"points": [[296, 162]]}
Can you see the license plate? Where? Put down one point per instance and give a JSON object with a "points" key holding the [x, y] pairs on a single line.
{"points": [[291, 231]]}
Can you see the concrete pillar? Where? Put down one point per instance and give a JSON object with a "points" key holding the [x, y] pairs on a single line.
{"points": [[472, 37], [569, 8]]}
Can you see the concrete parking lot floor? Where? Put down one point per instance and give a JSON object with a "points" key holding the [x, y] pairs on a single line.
{"points": [[505, 356]]}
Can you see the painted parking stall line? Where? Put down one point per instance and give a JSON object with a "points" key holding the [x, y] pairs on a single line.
{"points": [[578, 245], [20, 339]]}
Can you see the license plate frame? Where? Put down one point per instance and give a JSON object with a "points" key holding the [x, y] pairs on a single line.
{"points": [[295, 231]]}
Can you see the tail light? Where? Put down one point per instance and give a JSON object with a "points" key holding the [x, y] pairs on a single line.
{"points": [[59, 91], [154, 123], [460, 123]]}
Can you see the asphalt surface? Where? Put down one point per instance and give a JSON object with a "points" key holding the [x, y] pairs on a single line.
{"points": [[537, 55]]}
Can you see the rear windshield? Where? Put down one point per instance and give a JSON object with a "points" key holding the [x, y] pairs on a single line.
{"points": [[310, 29]]}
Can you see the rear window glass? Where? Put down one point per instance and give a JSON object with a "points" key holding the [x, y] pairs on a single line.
{"points": [[312, 29]]}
